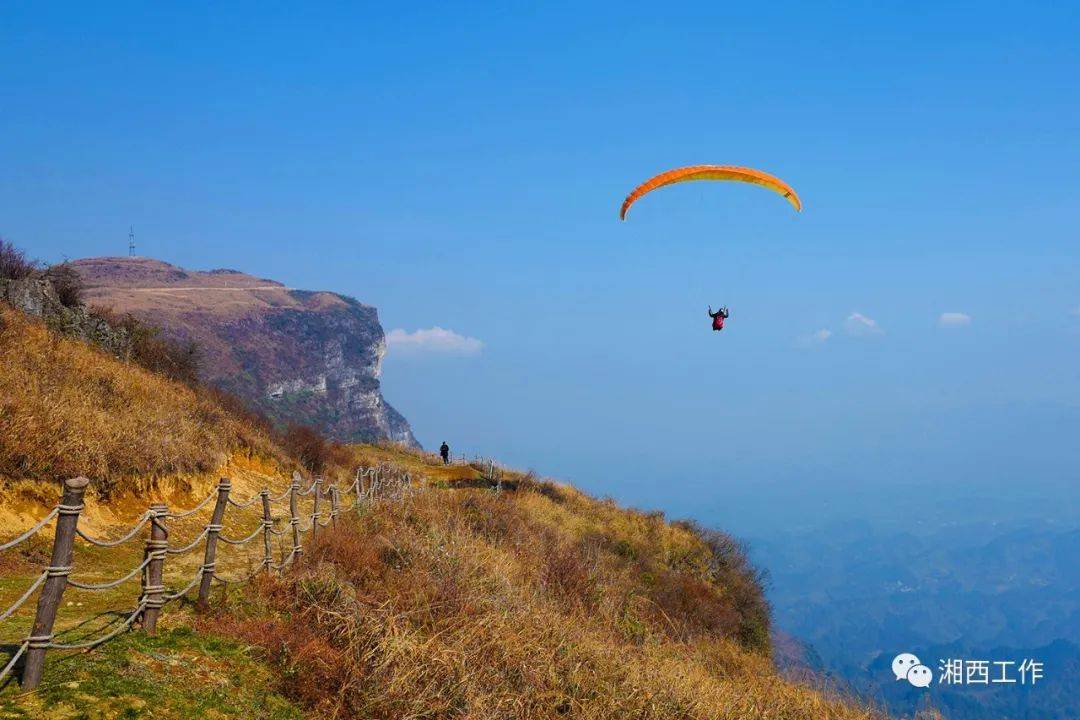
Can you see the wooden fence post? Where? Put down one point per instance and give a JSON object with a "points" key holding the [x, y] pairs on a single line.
{"points": [[212, 532], [375, 478], [360, 491], [268, 525], [153, 584], [71, 504], [315, 509], [294, 517], [334, 504]]}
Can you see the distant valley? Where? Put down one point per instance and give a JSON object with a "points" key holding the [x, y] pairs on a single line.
{"points": [[859, 595]]}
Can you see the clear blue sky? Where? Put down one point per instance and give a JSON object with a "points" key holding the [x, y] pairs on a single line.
{"points": [[462, 168]]}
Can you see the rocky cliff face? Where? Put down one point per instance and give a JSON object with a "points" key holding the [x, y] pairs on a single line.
{"points": [[303, 357], [36, 296]]}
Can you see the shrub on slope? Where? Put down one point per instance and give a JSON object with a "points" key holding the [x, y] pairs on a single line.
{"points": [[522, 605], [14, 265], [149, 348], [67, 408]]}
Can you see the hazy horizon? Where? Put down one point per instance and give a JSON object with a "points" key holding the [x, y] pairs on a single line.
{"points": [[917, 325]]}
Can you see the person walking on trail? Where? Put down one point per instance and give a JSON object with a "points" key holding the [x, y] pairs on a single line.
{"points": [[718, 317], [444, 450]]}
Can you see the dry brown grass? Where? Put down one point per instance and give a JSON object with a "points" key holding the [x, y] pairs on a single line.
{"points": [[416, 461], [464, 604], [69, 409], [535, 603]]}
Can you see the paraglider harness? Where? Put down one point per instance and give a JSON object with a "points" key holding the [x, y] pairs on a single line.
{"points": [[718, 317]]}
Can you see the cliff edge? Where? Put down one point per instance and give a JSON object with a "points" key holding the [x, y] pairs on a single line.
{"points": [[301, 357]]}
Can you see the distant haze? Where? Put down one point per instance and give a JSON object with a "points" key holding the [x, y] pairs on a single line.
{"points": [[470, 181]]}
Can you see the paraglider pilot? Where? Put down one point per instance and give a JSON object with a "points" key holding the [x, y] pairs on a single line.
{"points": [[718, 317]]}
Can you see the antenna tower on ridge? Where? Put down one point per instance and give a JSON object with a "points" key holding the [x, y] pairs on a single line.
{"points": [[131, 241]]}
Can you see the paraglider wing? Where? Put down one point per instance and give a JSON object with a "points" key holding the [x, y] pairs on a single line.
{"points": [[713, 172]]}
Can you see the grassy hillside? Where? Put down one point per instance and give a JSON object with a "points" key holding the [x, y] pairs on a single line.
{"points": [[536, 603], [458, 601], [69, 409], [177, 675]]}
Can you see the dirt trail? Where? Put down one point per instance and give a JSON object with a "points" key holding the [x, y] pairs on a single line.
{"points": [[200, 288]]}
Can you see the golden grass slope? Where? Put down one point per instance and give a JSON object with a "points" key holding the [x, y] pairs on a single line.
{"points": [[68, 409], [537, 603]]}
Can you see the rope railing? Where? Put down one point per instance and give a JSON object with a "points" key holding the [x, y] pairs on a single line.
{"points": [[192, 511], [14, 659], [284, 563], [246, 503], [370, 484], [52, 644], [113, 583], [119, 541], [244, 541], [32, 531], [241, 580], [25, 596], [169, 597], [282, 496], [190, 546]]}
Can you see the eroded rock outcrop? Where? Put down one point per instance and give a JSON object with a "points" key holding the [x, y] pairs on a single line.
{"points": [[36, 296], [301, 357]]}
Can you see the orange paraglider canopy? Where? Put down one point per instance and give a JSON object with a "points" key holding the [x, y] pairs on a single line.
{"points": [[713, 172]]}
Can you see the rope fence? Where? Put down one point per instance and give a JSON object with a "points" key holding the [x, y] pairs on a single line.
{"points": [[379, 483]]}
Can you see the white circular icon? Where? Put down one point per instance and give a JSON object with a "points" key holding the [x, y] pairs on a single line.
{"points": [[902, 663], [920, 676]]}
